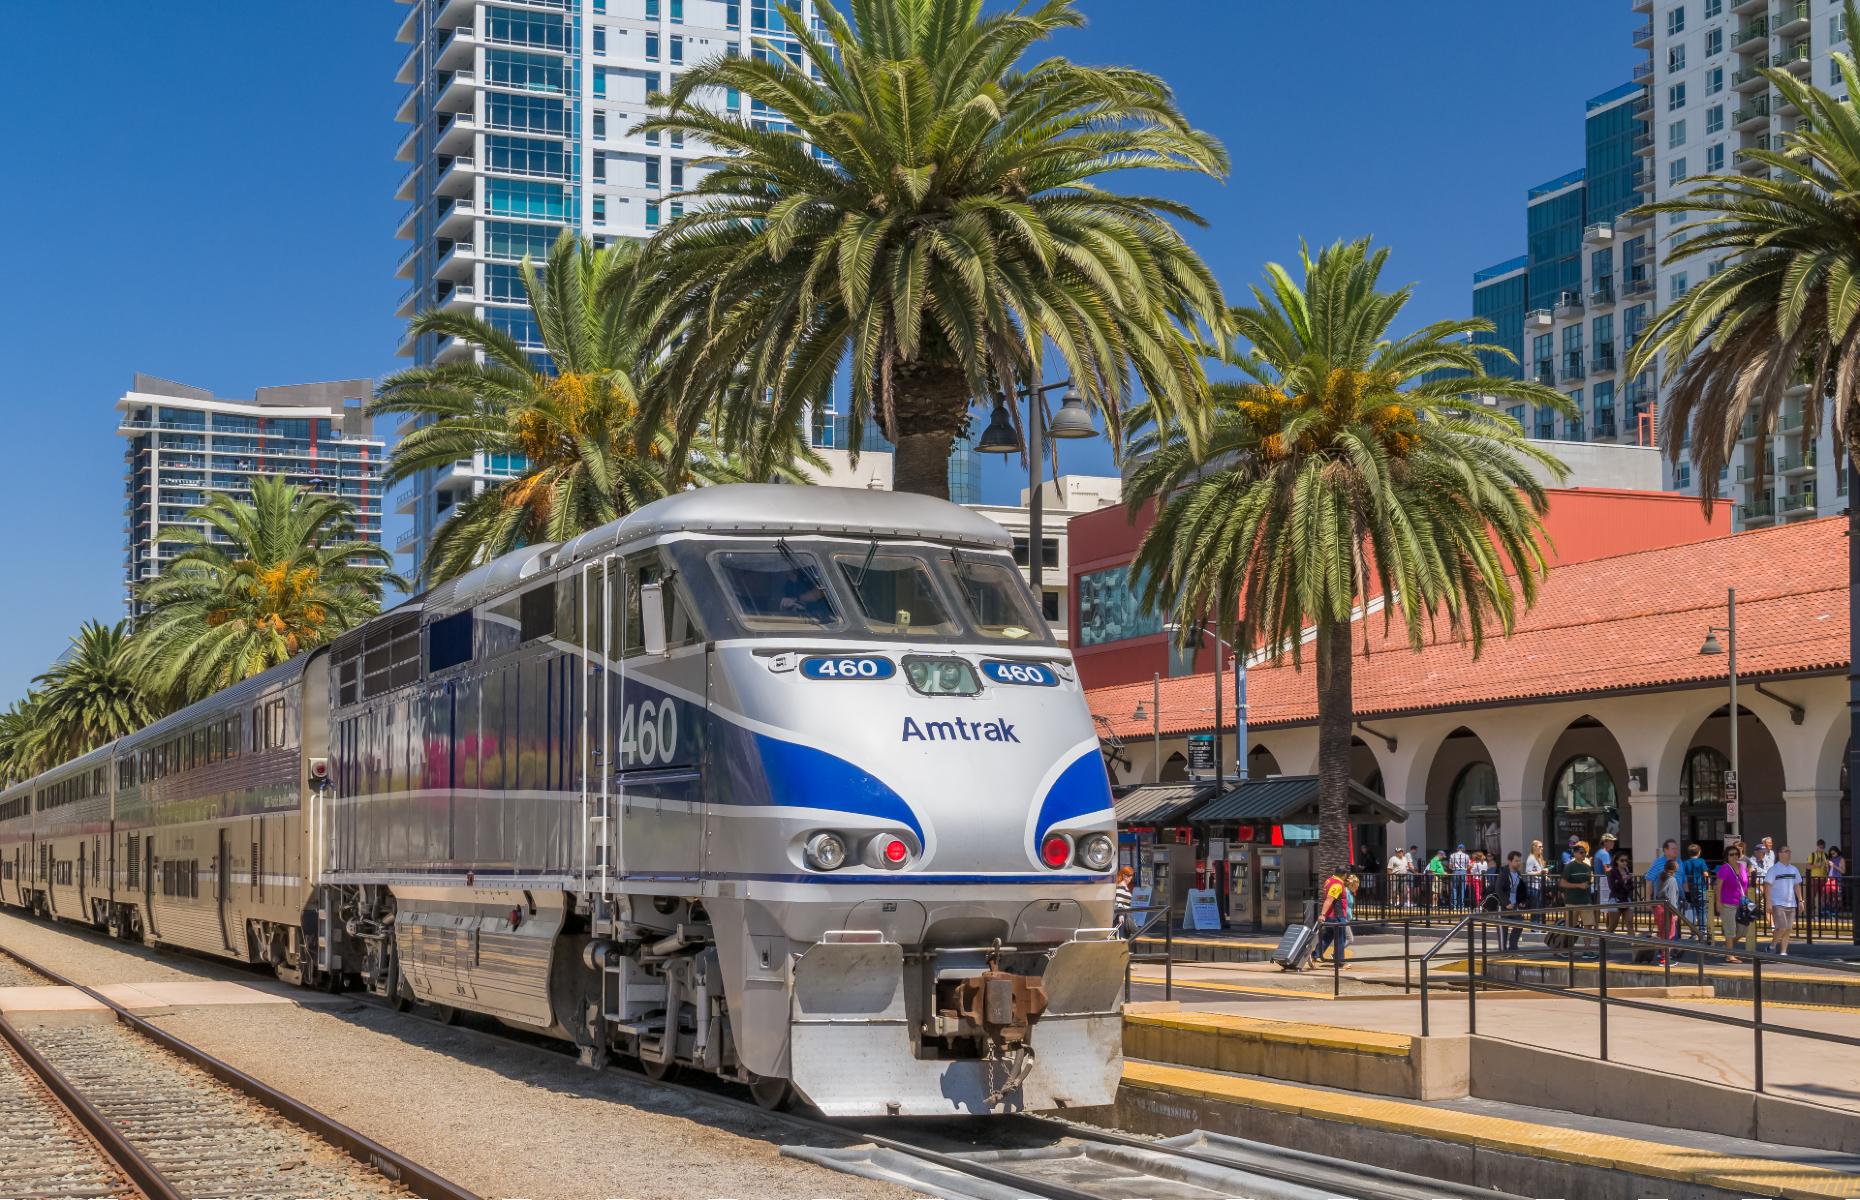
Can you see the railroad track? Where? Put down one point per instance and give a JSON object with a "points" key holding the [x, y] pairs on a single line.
{"points": [[138, 1110]]}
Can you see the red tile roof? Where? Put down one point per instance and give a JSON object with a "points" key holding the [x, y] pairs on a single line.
{"points": [[1632, 621]]}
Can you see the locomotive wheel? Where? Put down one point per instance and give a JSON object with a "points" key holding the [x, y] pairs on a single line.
{"points": [[400, 995], [771, 1092], [659, 1072], [445, 1014]]}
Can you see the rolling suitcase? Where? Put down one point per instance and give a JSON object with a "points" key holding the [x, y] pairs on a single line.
{"points": [[1293, 953]]}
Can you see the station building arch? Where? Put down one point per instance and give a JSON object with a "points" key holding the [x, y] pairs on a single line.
{"points": [[1585, 788], [1760, 811]]}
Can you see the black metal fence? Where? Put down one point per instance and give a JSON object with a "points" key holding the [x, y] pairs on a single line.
{"points": [[1825, 907]]}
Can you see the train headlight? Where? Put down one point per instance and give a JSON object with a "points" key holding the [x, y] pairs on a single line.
{"points": [[1056, 850], [1097, 851], [826, 852]]}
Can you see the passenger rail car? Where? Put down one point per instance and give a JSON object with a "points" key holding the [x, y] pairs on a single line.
{"points": [[791, 785]]}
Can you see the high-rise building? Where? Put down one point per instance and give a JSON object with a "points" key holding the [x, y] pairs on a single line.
{"points": [[521, 114], [1709, 106], [184, 444]]}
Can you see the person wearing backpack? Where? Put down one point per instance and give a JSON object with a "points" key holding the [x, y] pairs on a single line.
{"points": [[1694, 885], [1334, 916]]}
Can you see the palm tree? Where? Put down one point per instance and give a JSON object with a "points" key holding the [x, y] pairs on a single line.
{"points": [[922, 204], [22, 742], [268, 580], [1347, 466], [574, 426], [92, 695], [1786, 307]]}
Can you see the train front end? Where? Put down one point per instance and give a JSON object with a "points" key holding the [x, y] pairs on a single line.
{"points": [[909, 803]]}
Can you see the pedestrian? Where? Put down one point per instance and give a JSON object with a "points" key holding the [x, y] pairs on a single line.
{"points": [[1513, 898], [1736, 910], [1397, 869], [1604, 858], [1667, 891], [1817, 894], [1121, 902], [1576, 882], [1334, 916], [1694, 887], [1669, 852], [1535, 868], [1436, 879], [1619, 878], [1459, 865], [1476, 879], [1763, 859], [1782, 895], [1569, 849]]}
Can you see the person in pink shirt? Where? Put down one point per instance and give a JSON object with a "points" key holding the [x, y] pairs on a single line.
{"points": [[1732, 887]]}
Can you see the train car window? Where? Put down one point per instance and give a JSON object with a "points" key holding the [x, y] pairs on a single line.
{"points": [[776, 590], [895, 593], [996, 599], [232, 737], [568, 610], [536, 612], [448, 641]]}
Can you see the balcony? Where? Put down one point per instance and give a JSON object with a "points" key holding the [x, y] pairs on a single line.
{"points": [[1605, 428], [457, 134], [1568, 304], [1642, 36], [409, 146], [409, 301], [410, 25], [1546, 372], [458, 178], [1748, 430], [463, 299], [1795, 464], [456, 219], [1639, 283], [1598, 233], [1757, 512], [1572, 365], [409, 184], [1790, 19], [459, 50], [1643, 143], [1745, 7], [409, 110], [1749, 165], [456, 263], [405, 498], [1790, 423], [456, 91], [1749, 78], [1798, 57], [1754, 36], [1603, 293], [1642, 70], [1799, 502], [407, 540], [1643, 6], [404, 231], [404, 268], [1603, 359], [409, 68], [454, 350], [1757, 112], [1541, 318]]}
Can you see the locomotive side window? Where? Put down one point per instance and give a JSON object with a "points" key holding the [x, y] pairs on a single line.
{"points": [[996, 599], [896, 593], [536, 612], [776, 590], [681, 627]]}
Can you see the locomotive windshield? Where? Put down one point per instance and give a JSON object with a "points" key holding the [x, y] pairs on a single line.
{"points": [[895, 593], [778, 589], [996, 600]]}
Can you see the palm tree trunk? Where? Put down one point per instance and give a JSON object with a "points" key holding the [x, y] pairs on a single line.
{"points": [[931, 403], [1335, 718]]}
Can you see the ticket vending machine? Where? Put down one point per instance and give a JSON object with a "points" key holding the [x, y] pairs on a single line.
{"points": [[1242, 888], [1171, 873], [1284, 884]]}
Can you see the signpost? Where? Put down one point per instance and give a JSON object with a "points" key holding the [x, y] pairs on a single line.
{"points": [[1730, 800], [1201, 754]]}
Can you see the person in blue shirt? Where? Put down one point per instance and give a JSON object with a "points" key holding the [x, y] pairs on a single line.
{"points": [[1669, 853], [1694, 885], [1600, 861]]}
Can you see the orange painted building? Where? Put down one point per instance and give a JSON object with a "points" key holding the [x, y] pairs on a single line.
{"points": [[1115, 642]]}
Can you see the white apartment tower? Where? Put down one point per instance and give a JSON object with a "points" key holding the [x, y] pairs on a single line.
{"points": [[520, 114], [183, 444], [1708, 106]]}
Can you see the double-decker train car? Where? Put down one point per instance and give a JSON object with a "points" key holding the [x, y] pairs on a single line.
{"points": [[790, 785], [71, 829]]}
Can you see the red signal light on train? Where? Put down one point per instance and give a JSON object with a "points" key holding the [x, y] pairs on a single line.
{"points": [[1056, 851], [896, 851]]}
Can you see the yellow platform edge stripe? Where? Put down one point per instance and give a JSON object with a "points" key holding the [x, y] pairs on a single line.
{"points": [[1332, 1037], [1749, 1176]]}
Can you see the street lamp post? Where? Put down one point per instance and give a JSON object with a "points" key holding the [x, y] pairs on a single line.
{"points": [[1155, 718], [1240, 738], [1071, 421], [1729, 650]]}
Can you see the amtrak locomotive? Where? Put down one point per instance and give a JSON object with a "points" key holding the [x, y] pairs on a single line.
{"points": [[787, 784]]}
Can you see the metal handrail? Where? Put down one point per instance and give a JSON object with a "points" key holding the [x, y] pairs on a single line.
{"points": [[1475, 976], [1157, 913]]}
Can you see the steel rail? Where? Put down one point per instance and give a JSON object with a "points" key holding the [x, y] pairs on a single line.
{"points": [[391, 1165], [114, 1145]]}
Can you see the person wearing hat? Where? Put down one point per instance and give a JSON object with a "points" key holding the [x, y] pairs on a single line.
{"points": [[1604, 858], [1569, 851], [1459, 863]]}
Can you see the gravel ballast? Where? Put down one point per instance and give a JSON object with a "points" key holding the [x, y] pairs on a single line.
{"points": [[502, 1119]]}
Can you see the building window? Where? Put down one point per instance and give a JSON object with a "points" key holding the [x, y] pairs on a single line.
{"points": [[652, 10], [652, 47], [1585, 800], [678, 49], [1675, 97], [678, 12], [1714, 119], [1837, 27], [1714, 81], [1109, 611], [1675, 21], [652, 216], [1714, 43], [1714, 8], [600, 168], [678, 173], [1714, 157], [1675, 134], [1678, 284], [600, 81], [600, 39], [1676, 171], [652, 172], [1472, 806], [600, 126], [600, 210], [1676, 58], [733, 15]]}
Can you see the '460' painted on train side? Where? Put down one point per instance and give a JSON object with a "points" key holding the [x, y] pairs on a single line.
{"points": [[648, 734]]}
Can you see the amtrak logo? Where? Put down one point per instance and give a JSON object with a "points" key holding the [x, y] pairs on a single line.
{"points": [[959, 730]]}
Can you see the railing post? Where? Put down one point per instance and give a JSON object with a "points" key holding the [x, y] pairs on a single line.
{"points": [[1756, 1014], [1424, 1021], [1336, 964], [1601, 967], [1168, 956], [1472, 982], [1407, 981]]}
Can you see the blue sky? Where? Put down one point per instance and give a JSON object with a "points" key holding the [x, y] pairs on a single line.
{"points": [[203, 191]]}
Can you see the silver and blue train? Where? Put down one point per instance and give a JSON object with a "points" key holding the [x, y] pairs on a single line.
{"points": [[791, 785]]}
